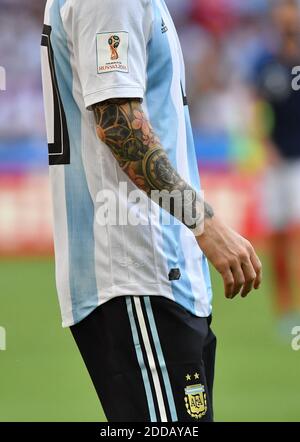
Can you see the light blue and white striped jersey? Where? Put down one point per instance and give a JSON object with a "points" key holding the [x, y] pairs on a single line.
{"points": [[93, 51]]}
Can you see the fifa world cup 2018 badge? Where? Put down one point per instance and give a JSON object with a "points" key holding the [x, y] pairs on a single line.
{"points": [[114, 43], [112, 51], [195, 398]]}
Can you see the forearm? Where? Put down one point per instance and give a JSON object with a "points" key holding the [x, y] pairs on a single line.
{"points": [[124, 128]]}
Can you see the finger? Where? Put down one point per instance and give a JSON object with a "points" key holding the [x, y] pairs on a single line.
{"points": [[228, 282], [250, 277], [239, 279], [258, 269]]}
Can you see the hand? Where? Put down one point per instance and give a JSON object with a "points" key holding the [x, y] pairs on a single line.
{"points": [[233, 257]]}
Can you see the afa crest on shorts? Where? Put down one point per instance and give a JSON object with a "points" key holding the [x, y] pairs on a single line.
{"points": [[195, 399]]}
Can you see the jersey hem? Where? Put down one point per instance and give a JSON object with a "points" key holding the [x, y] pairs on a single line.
{"points": [[103, 298]]}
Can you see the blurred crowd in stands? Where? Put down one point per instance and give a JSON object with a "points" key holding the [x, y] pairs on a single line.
{"points": [[222, 40], [21, 106]]}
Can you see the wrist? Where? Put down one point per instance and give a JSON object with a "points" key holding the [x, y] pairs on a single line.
{"points": [[206, 215]]}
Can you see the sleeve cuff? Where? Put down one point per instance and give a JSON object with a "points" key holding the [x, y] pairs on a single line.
{"points": [[115, 92]]}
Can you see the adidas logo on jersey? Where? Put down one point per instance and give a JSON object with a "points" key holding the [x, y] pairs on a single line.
{"points": [[164, 27]]}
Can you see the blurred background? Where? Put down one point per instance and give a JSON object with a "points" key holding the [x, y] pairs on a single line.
{"points": [[246, 119]]}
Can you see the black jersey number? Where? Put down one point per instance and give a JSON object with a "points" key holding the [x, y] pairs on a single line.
{"points": [[184, 98], [57, 130]]}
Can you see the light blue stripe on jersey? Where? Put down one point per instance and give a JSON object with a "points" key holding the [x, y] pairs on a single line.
{"points": [[195, 180], [207, 279], [191, 152], [80, 208], [161, 108], [161, 359], [141, 361]]}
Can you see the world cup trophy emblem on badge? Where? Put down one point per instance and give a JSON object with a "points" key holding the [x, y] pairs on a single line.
{"points": [[195, 400], [114, 43]]}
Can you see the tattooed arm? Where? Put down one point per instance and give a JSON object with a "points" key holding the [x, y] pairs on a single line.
{"points": [[124, 128]]}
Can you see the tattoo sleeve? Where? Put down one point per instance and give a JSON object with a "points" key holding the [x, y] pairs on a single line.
{"points": [[124, 128]]}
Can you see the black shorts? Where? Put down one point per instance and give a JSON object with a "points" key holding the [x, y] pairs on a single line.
{"points": [[150, 360]]}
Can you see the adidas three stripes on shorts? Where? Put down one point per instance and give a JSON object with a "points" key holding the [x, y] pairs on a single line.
{"points": [[150, 360]]}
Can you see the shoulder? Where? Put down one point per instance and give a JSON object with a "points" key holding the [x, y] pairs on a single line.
{"points": [[89, 12], [107, 6]]}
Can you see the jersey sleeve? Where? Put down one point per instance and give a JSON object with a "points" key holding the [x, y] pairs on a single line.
{"points": [[110, 40]]}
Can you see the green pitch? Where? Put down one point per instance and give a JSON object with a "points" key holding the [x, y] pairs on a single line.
{"points": [[42, 377]]}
